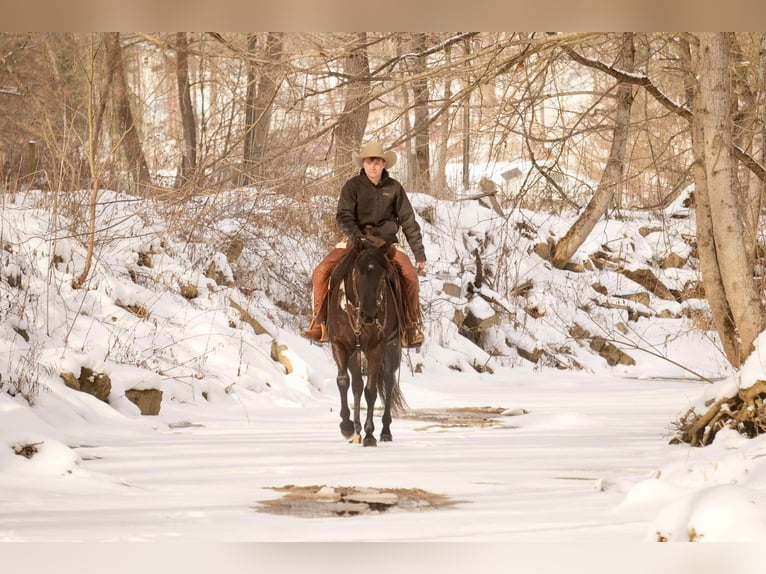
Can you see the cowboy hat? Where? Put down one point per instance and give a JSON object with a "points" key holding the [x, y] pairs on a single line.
{"points": [[373, 149]]}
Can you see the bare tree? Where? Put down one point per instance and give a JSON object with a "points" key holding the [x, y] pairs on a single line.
{"points": [[127, 126], [613, 172], [352, 123], [268, 85], [421, 125], [731, 264], [188, 121]]}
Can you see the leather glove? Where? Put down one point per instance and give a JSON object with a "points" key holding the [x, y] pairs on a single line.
{"points": [[374, 240], [358, 243]]}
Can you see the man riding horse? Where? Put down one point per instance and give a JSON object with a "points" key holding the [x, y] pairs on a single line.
{"points": [[373, 207]]}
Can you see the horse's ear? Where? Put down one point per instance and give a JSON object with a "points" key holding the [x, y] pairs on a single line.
{"points": [[359, 244]]}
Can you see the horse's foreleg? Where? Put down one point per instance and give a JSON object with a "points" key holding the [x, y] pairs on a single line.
{"points": [[370, 394], [357, 386], [346, 426]]}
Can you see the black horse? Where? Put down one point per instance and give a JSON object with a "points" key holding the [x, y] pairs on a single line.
{"points": [[364, 318]]}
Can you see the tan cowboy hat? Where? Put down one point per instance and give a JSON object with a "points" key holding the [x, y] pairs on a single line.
{"points": [[373, 149]]}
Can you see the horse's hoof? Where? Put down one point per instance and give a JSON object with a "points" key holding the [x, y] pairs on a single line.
{"points": [[347, 429], [356, 440], [369, 441], [386, 438]]}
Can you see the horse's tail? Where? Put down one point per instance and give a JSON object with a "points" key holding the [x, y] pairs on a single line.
{"points": [[398, 403]]}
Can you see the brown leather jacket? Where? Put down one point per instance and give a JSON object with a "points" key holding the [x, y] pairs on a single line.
{"points": [[384, 208]]}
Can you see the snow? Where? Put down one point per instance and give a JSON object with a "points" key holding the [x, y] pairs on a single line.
{"points": [[574, 456]]}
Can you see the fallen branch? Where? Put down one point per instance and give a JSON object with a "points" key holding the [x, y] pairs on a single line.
{"points": [[743, 412]]}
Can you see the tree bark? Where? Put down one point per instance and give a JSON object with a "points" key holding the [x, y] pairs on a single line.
{"points": [[421, 128], [248, 159], [442, 155], [736, 272], [613, 172], [349, 130], [746, 127], [130, 141], [723, 322], [259, 100], [268, 85], [188, 121]]}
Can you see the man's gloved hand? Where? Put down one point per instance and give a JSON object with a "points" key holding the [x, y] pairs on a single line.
{"points": [[376, 241], [358, 243]]}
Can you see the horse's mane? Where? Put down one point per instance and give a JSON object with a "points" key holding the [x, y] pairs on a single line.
{"points": [[345, 266], [347, 262]]}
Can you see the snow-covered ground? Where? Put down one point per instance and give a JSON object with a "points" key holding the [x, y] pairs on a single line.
{"points": [[578, 456]]}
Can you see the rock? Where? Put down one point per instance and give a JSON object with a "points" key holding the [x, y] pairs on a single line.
{"points": [[692, 290], [148, 401], [641, 297], [645, 231], [278, 355], [217, 275], [650, 282], [23, 333], [612, 354], [144, 259], [475, 323], [452, 290], [673, 261], [234, 250], [373, 497], [531, 356], [189, 291], [138, 310], [577, 332], [249, 319], [543, 250], [328, 493], [97, 384]]}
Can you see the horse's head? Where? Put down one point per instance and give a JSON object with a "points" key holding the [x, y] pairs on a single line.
{"points": [[370, 281]]}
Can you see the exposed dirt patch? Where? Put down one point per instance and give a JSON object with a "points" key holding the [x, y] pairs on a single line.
{"points": [[323, 501], [463, 417]]}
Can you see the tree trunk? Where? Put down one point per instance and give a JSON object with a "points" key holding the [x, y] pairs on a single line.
{"points": [[746, 127], [467, 125], [248, 159], [613, 172], [421, 127], [268, 85], [188, 121], [728, 229], [757, 187], [129, 139], [104, 96], [349, 130], [723, 321], [442, 155]]}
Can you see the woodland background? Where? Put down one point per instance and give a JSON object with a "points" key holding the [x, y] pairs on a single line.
{"points": [[607, 122]]}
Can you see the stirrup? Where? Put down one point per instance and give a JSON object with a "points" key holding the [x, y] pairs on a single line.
{"points": [[316, 332], [412, 337]]}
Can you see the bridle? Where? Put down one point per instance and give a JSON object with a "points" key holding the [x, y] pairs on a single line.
{"points": [[350, 301], [355, 317]]}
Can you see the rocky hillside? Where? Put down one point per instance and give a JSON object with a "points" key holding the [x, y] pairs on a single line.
{"points": [[206, 298]]}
